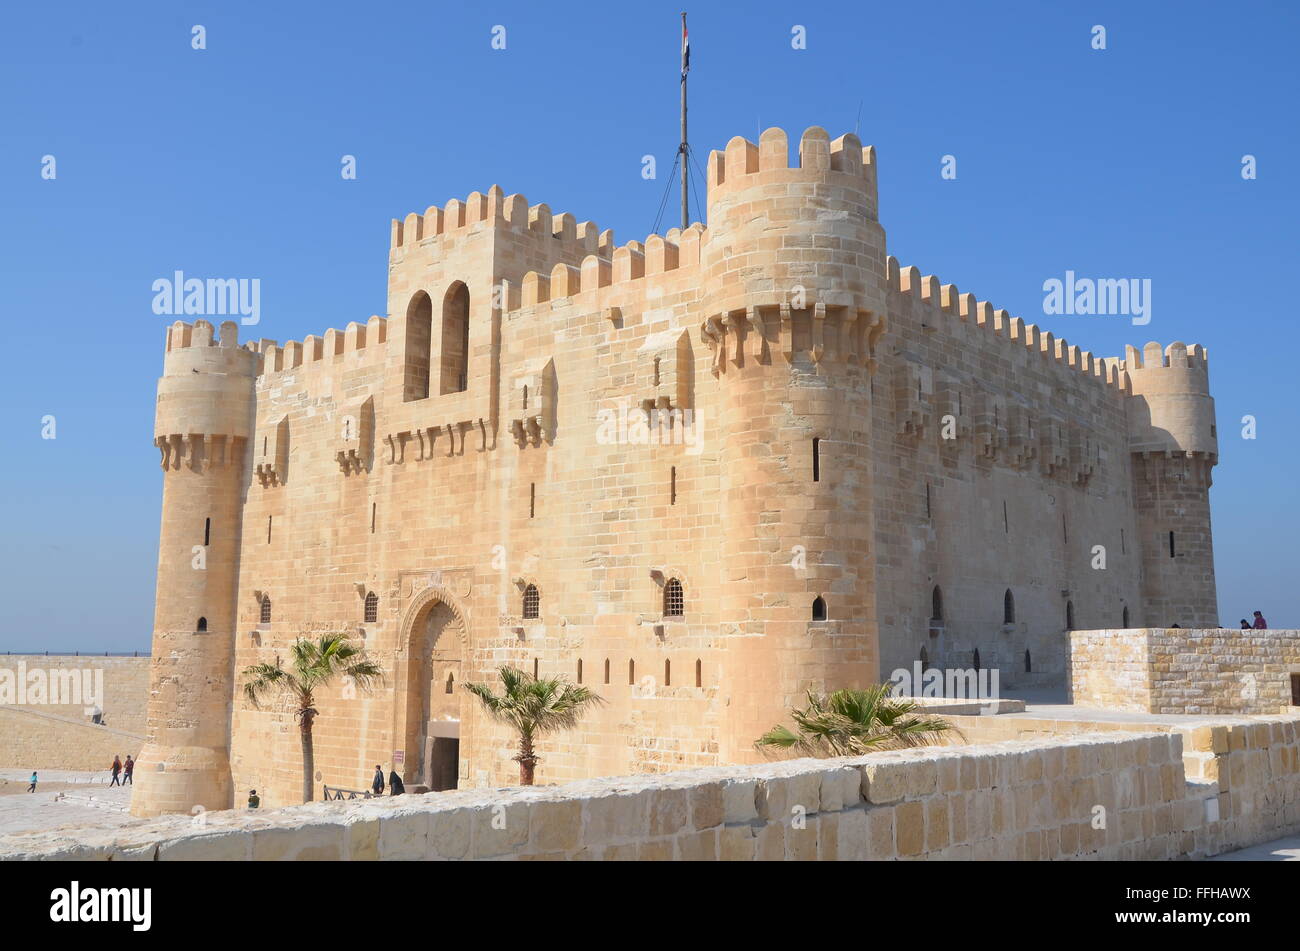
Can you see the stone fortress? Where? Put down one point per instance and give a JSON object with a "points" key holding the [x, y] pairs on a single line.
{"points": [[699, 474]]}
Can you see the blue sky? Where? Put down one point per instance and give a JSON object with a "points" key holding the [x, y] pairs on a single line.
{"points": [[225, 162]]}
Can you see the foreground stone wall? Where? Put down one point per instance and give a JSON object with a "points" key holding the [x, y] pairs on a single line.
{"points": [[1185, 671], [1112, 795], [30, 739]]}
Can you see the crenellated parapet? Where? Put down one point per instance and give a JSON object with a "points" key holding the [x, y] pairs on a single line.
{"points": [[1171, 411], [356, 342], [943, 309], [793, 254], [205, 397], [495, 209]]}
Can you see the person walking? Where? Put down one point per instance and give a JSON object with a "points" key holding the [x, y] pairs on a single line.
{"points": [[117, 769], [1260, 623], [128, 769], [395, 786], [32, 787], [377, 785]]}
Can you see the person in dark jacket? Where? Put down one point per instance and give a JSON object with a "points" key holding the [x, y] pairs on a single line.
{"points": [[395, 785], [1245, 625], [129, 770], [254, 800], [117, 769], [377, 786]]}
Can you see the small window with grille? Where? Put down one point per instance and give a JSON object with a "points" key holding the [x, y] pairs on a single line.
{"points": [[532, 603], [266, 609], [674, 599], [372, 608]]}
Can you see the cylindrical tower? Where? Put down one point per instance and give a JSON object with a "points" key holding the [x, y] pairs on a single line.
{"points": [[1175, 446], [794, 260], [204, 418]]}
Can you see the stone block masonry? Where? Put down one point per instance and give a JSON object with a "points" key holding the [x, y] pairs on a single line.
{"points": [[1111, 795], [1186, 671]]}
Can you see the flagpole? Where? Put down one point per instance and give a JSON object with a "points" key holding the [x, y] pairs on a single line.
{"points": [[685, 157]]}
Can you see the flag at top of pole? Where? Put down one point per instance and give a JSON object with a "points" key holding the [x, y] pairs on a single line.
{"points": [[686, 49]]}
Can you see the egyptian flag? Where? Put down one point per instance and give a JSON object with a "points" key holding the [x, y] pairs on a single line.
{"points": [[686, 50]]}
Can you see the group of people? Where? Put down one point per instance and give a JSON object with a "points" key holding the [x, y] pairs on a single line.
{"points": [[122, 773], [1259, 625], [395, 785]]}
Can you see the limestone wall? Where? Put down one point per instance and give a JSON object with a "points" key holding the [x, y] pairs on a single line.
{"points": [[1177, 670], [125, 684], [31, 739], [1113, 795]]}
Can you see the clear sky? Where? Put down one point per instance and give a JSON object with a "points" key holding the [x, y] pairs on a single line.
{"points": [[225, 162]]}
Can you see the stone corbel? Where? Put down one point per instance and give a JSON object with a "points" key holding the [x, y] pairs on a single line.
{"points": [[732, 321]]}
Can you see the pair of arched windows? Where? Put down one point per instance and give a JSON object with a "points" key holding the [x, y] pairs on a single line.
{"points": [[453, 367]]}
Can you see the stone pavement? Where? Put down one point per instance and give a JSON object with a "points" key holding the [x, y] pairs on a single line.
{"points": [[62, 798], [1279, 850]]}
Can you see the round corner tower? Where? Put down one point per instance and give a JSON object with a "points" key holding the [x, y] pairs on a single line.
{"points": [[204, 418], [1174, 442], [793, 260]]}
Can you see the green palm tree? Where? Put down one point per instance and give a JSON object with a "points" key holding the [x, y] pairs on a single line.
{"points": [[853, 722], [315, 664], [533, 708]]}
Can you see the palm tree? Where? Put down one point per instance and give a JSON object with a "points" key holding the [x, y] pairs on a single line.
{"points": [[315, 664], [534, 707], [852, 722]]}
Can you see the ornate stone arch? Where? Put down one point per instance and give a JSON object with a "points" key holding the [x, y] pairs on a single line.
{"points": [[434, 592]]}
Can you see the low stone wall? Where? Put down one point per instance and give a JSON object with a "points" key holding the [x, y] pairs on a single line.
{"points": [[30, 739], [1184, 671], [125, 686], [1113, 795]]}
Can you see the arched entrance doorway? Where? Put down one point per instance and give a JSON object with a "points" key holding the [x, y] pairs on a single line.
{"points": [[435, 657]]}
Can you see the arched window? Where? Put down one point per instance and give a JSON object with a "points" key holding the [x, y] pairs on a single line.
{"points": [[1069, 615], [606, 670], [819, 608], [454, 371], [924, 658], [579, 670], [674, 599], [817, 459], [451, 682], [1029, 667], [668, 673], [976, 659], [936, 604], [631, 671], [266, 609], [372, 608], [1124, 622], [537, 667], [699, 673], [532, 603], [419, 336], [202, 626], [1008, 608]]}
